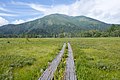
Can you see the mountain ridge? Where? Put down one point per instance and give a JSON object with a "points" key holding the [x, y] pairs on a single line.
{"points": [[55, 24]]}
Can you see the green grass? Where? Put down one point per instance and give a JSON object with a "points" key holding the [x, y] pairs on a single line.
{"points": [[59, 73], [95, 58], [21, 59]]}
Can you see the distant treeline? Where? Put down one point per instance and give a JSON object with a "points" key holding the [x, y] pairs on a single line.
{"points": [[113, 31]]}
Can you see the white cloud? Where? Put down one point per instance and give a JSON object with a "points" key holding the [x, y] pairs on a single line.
{"points": [[104, 10], [18, 21], [7, 14], [7, 10], [3, 9], [3, 21]]}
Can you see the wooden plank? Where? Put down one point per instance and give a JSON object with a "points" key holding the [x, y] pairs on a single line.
{"points": [[70, 68], [48, 73]]}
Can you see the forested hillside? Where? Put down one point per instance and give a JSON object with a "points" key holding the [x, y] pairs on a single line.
{"points": [[59, 25]]}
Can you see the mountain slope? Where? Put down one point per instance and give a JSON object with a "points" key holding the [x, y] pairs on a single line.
{"points": [[55, 24]]}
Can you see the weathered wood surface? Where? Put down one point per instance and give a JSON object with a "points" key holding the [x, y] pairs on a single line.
{"points": [[48, 73], [70, 68]]}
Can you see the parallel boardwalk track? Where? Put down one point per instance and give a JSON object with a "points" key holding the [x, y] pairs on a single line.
{"points": [[70, 68], [48, 73]]}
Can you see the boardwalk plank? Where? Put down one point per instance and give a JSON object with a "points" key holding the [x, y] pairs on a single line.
{"points": [[70, 68], [48, 73]]}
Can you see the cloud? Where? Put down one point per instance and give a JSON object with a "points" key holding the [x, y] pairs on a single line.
{"points": [[3, 21], [50, 9], [104, 10], [3, 9], [18, 21], [7, 14]]}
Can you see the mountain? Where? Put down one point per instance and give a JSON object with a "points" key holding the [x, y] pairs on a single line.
{"points": [[55, 24]]}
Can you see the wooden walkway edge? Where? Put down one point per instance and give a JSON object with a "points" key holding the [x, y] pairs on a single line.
{"points": [[48, 73], [70, 68]]}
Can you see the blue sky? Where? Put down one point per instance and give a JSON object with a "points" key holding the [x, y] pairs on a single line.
{"points": [[20, 11]]}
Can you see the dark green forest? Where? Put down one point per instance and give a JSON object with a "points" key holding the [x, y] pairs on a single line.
{"points": [[113, 31]]}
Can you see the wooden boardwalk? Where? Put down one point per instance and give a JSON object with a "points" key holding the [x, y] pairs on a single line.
{"points": [[70, 68], [48, 73]]}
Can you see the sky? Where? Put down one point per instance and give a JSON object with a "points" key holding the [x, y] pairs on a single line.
{"points": [[20, 11]]}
